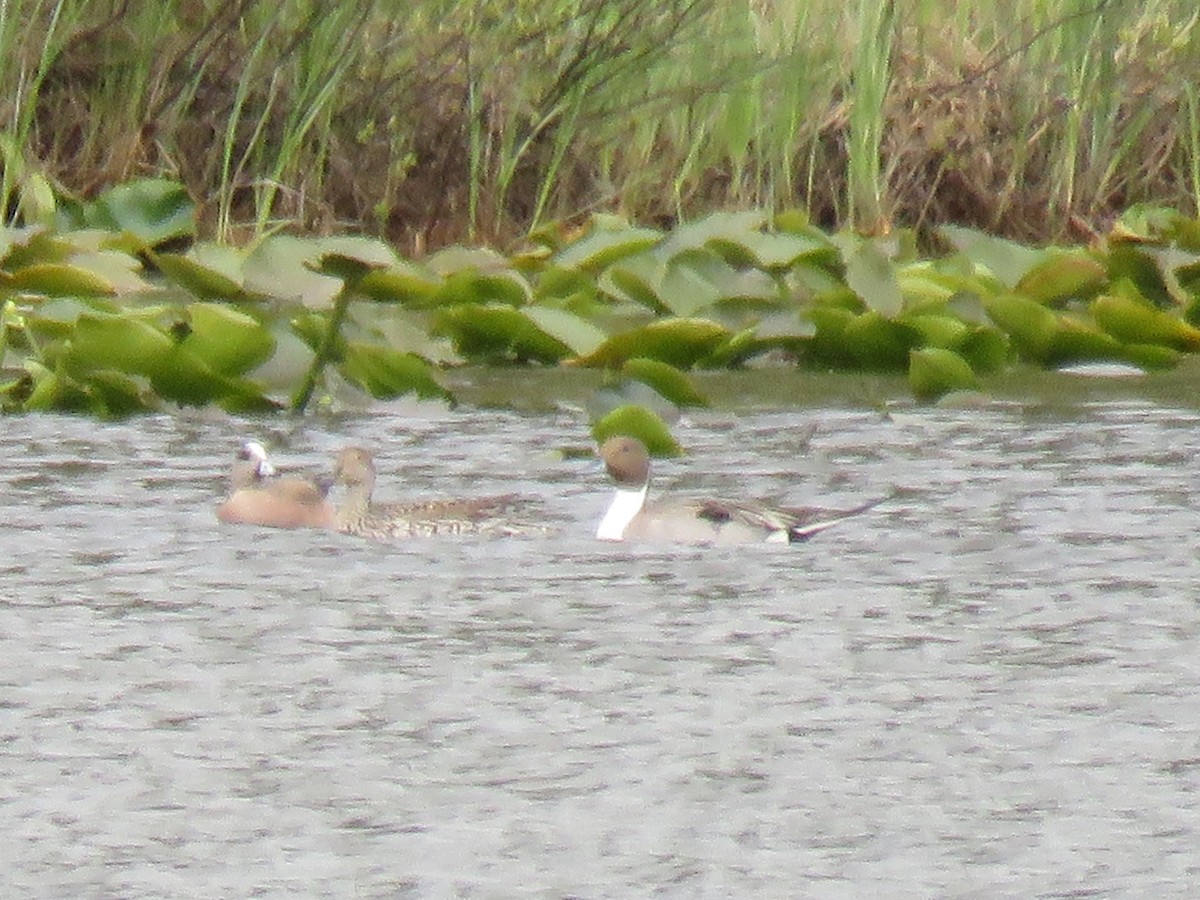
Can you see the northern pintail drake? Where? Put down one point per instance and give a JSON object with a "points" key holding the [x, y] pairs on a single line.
{"points": [[354, 470], [258, 497], [699, 521]]}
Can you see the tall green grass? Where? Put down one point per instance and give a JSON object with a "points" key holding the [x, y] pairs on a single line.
{"points": [[432, 122]]}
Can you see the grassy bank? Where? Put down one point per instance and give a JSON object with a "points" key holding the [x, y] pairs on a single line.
{"points": [[433, 123]]}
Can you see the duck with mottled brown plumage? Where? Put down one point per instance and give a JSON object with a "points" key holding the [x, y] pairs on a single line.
{"points": [[354, 470]]}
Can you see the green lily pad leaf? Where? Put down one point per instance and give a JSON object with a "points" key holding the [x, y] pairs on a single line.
{"points": [[985, 348], [935, 371], [61, 280], [474, 287], [370, 252], [679, 342], [1130, 262], [553, 282], [1144, 222], [684, 291], [879, 344], [1031, 326], [153, 210], [730, 227], [386, 373], [577, 333], [604, 246], [828, 344], [226, 340], [1076, 340], [52, 391], [1137, 322], [113, 395], [403, 282], [938, 330], [730, 283], [1151, 356], [450, 260], [775, 251], [281, 267], [747, 343], [121, 343], [197, 278], [186, 379], [637, 279], [1005, 259], [498, 333], [872, 276], [12, 238], [669, 381], [638, 422], [1062, 275]]}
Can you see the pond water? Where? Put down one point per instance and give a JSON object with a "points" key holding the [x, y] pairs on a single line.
{"points": [[989, 686]]}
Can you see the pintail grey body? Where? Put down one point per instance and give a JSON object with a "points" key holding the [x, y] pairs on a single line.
{"points": [[631, 516]]}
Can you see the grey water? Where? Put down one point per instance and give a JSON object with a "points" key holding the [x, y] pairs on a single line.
{"points": [[987, 687]]}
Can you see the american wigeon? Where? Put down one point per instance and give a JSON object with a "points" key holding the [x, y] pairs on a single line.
{"points": [[259, 497], [354, 469], [698, 521]]}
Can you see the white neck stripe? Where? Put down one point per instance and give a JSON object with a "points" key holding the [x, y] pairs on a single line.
{"points": [[625, 505]]}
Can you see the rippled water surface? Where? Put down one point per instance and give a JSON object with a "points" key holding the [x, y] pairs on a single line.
{"points": [[988, 687]]}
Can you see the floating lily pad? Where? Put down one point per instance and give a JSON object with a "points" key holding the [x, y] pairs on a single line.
{"points": [[577, 333], [386, 373], [879, 344], [985, 348], [679, 342], [113, 395], [403, 282], [227, 340], [281, 267], [121, 343], [187, 380], [637, 279], [829, 344], [61, 280], [498, 333], [1077, 340], [638, 422], [1151, 356], [197, 278], [1142, 268], [1062, 275], [370, 252], [872, 275], [934, 371], [1138, 322], [475, 287], [667, 380], [152, 210], [775, 251], [938, 330], [1006, 260], [480, 260], [605, 246], [1031, 326], [731, 228]]}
